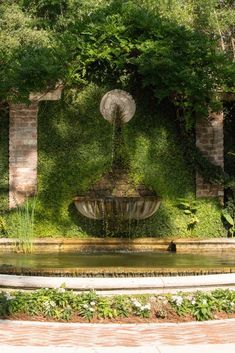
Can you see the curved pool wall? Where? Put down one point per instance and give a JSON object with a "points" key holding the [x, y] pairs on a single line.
{"points": [[139, 284], [123, 244], [109, 286]]}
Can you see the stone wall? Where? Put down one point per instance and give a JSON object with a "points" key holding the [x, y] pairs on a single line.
{"points": [[210, 140]]}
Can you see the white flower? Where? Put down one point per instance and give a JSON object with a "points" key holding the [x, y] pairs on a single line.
{"points": [[92, 303], [46, 304], [136, 304], [177, 299], [191, 299], [49, 304], [92, 309], [9, 297], [165, 302], [61, 290], [146, 307], [85, 306]]}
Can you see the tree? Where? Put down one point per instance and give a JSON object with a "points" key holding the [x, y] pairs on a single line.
{"points": [[172, 48], [30, 57]]}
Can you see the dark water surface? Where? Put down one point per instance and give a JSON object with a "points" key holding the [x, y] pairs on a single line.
{"points": [[120, 260]]}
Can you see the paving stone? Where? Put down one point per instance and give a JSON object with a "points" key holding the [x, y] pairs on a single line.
{"points": [[43, 334]]}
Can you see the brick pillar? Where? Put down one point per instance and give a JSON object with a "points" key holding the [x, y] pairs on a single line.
{"points": [[23, 145], [22, 152], [210, 140]]}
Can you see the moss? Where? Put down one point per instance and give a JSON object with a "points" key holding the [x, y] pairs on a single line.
{"points": [[75, 149]]}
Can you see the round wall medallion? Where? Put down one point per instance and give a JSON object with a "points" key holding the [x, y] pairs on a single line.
{"points": [[119, 98]]}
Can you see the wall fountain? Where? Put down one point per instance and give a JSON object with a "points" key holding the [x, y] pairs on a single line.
{"points": [[115, 197]]}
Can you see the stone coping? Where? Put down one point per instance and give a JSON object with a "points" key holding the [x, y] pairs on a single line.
{"points": [[110, 286], [122, 244]]}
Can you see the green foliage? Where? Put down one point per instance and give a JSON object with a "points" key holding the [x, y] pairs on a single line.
{"points": [[75, 150], [203, 306], [189, 208], [3, 227], [163, 50], [140, 307], [71, 159], [86, 305], [122, 306], [228, 213], [105, 309], [23, 225], [30, 57], [229, 219], [156, 159], [62, 304], [141, 43], [156, 153], [170, 47]]}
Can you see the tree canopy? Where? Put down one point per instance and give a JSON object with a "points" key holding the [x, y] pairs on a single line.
{"points": [[179, 49]]}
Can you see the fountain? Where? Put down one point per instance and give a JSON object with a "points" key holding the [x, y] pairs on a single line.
{"points": [[115, 197]]}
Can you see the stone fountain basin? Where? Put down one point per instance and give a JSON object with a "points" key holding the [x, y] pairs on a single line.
{"points": [[125, 208]]}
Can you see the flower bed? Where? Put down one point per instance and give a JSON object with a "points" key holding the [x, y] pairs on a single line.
{"points": [[65, 305]]}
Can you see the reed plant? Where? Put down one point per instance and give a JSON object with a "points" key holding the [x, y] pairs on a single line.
{"points": [[24, 225]]}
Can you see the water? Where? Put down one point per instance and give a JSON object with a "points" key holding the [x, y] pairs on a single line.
{"points": [[110, 261]]}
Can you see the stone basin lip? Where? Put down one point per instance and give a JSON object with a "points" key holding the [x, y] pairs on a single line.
{"points": [[111, 198], [150, 244], [122, 207]]}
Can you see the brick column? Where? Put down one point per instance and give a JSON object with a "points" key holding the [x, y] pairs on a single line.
{"points": [[22, 152], [23, 145], [210, 140]]}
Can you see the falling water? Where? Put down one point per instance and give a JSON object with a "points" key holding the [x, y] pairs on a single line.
{"points": [[114, 200]]}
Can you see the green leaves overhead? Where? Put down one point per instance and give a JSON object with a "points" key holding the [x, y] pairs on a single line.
{"points": [[30, 58], [139, 44], [173, 48]]}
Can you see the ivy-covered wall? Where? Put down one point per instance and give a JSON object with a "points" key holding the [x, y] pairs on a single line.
{"points": [[75, 149]]}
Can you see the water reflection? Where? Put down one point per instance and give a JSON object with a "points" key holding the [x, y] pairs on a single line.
{"points": [[117, 260]]}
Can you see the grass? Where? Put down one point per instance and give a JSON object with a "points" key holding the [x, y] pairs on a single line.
{"points": [[23, 226]]}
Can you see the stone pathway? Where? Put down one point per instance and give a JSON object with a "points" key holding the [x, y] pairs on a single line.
{"points": [[95, 336]]}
